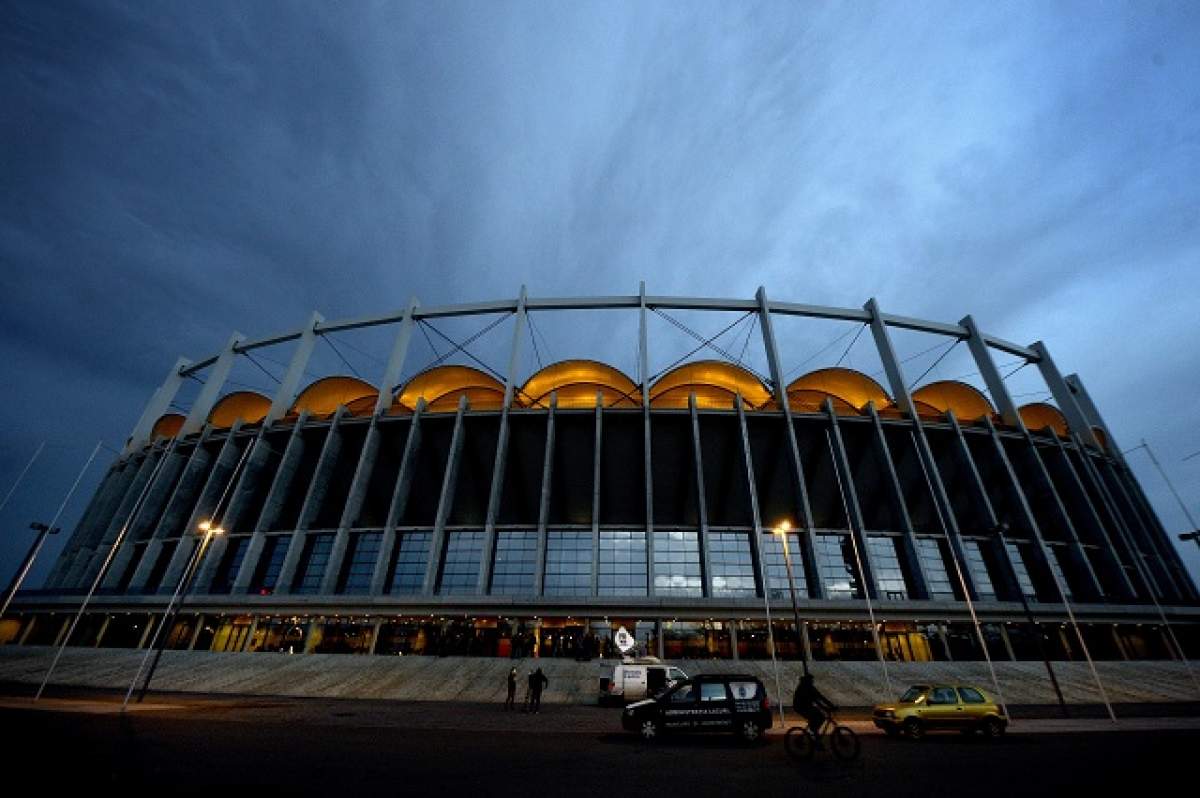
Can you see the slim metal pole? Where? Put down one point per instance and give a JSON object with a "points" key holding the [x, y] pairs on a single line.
{"points": [[32, 554], [21, 476], [1187, 514], [771, 635], [24, 571], [787, 561]]}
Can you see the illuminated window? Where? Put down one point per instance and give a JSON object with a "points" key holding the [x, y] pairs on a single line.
{"points": [[934, 564], [889, 577], [622, 566], [837, 566], [772, 552], [410, 562], [977, 567], [513, 572], [359, 565], [312, 563], [460, 565], [732, 564], [270, 563], [677, 564], [568, 564]]}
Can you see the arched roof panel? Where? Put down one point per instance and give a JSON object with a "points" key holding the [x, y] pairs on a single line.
{"points": [[703, 375], [442, 386], [250, 406], [967, 402], [1039, 415], [812, 401], [852, 387], [167, 426], [577, 382], [325, 395]]}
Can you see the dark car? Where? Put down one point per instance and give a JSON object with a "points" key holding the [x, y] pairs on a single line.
{"points": [[710, 703]]}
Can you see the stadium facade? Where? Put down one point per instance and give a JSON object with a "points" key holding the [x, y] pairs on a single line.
{"points": [[500, 514]]}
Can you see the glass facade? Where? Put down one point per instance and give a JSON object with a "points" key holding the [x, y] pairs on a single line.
{"points": [[359, 565], [1018, 563], [460, 563], [313, 561], [515, 565], [977, 567], [230, 564], [1057, 554], [568, 564], [837, 566], [677, 564], [409, 564], [934, 564], [622, 567], [772, 552], [732, 564], [889, 576], [270, 563]]}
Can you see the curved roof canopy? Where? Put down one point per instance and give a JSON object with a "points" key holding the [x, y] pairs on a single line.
{"points": [[167, 426], [250, 406], [442, 386], [714, 382], [577, 382], [967, 402], [1039, 415], [324, 396], [1100, 436], [850, 391]]}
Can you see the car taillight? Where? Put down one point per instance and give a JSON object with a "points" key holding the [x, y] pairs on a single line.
{"points": [[766, 703]]}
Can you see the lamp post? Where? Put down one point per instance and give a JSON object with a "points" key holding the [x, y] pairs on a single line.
{"points": [[185, 585], [30, 556], [782, 531]]}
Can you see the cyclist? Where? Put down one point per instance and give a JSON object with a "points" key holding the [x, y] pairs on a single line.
{"points": [[811, 704]]}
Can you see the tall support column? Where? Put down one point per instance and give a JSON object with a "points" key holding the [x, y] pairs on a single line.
{"points": [[445, 500], [755, 513], [159, 403], [808, 541], [281, 482], [197, 417], [1146, 531], [853, 509], [1063, 396], [912, 557], [544, 503], [122, 516], [399, 502], [354, 499], [289, 386], [991, 375], [891, 367], [1092, 519], [95, 507], [314, 495], [701, 500], [395, 364], [1009, 588], [91, 529], [644, 365], [597, 454], [501, 459]]}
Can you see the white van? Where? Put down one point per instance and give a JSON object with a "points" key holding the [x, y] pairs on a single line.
{"points": [[636, 678]]}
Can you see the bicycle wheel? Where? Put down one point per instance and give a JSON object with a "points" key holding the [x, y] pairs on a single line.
{"points": [[844, 743], [800, 743]]}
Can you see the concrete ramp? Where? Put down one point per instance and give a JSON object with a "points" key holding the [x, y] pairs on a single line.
{"points": [[571, 682]]}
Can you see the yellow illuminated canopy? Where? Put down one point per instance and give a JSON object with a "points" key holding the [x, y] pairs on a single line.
{"points": [[968, 403], [850, 390], [442, 386], [167, 426], [251, 407], [1039, 415], [577, 382], [324, 396], [715, 384]]}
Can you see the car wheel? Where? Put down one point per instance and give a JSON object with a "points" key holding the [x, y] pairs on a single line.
{"points": [[750, 731], [993, 728], [649, 730], [914, 729]]}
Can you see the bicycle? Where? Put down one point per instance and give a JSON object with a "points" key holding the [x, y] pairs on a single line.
{"points": [[801, 743]]}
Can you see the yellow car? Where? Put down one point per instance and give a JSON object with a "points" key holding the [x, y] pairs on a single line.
{"points": [[931, 707]]}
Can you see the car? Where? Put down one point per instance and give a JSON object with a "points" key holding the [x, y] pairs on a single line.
{"points": [[636, 678], [933, 707], [712, 702]]}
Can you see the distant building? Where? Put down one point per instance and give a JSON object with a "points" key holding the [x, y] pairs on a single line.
{"points": [[464, 512]]}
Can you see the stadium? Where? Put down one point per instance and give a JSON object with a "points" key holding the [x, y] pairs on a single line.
{"points": [[481, 502]]}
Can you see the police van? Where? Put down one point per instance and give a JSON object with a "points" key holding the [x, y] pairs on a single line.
{"points": [[635, 678], [708, 703]]}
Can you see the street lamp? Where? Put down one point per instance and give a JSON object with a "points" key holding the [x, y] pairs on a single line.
{"points": [[30, 556], [782, 531]]}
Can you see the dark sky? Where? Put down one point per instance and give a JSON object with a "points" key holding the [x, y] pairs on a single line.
{"points": [[172, 172]]}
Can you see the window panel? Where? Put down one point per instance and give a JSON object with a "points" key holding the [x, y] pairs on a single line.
{"points": [[515, 564], [889, 577], [977, 567], [838, 569], [677, 564], [568, 564], [732, 564], [360, 563], [312, 563], [934, 565], [772, 552], [409, 564], [460, 566], [622, 566]]}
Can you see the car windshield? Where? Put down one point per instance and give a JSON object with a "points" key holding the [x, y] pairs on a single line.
{"points": [[913, 693]]}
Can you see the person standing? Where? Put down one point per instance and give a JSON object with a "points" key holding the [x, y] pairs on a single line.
{"points": [[537, 683], [510, 702]]}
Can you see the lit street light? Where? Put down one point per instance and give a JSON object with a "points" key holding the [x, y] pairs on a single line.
{"points": [[782, 531]]}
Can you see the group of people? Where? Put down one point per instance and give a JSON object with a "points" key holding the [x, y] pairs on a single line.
{"points": [[533, 693]]}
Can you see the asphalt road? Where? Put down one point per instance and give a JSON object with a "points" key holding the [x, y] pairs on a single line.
{"points": [[287, 748]]}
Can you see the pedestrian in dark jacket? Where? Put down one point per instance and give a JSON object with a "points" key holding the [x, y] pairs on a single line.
{"points": [[510, 702], [537, 683]]}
